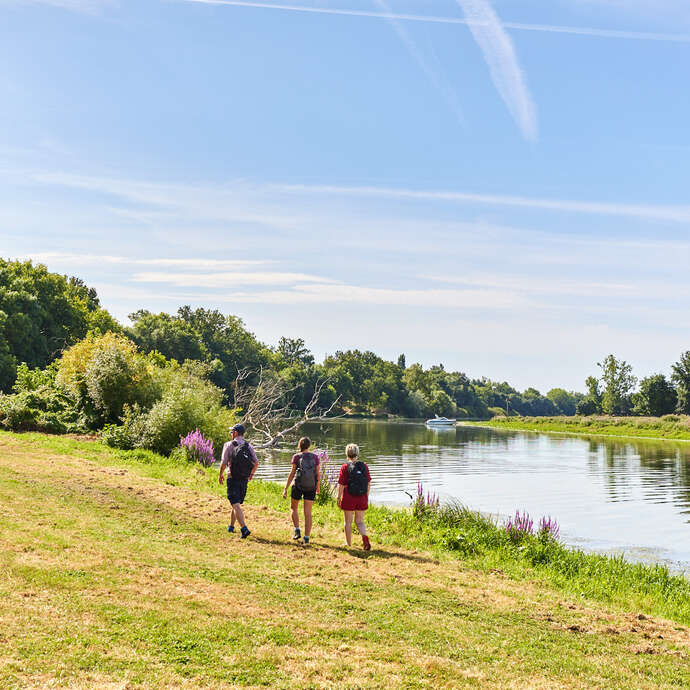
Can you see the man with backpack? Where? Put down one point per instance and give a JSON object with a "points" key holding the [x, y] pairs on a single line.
{"points": [[240, 459], [306, 472]]}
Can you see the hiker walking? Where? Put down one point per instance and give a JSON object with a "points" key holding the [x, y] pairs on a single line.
{"points": [[353, 493], [240, 459], [306, 472]]}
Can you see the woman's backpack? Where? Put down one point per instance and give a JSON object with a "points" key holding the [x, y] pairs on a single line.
{"points": [[305, 477], [242, 461], [357, 480]]}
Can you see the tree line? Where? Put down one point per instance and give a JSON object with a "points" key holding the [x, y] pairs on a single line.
{"points": [[618, 392], [43, 315]]}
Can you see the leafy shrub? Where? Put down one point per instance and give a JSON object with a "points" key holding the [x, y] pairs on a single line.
{"points": [[39, 406], [187, 403], [17, 415], [115, 377], [117, 437], [34, 379], [104, 373], [497, 412]]}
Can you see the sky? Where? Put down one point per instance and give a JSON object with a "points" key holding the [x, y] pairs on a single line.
{"points": [[497, 185]]}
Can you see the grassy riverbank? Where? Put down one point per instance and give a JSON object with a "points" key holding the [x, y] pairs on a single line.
{"points": [[116, 568], [674, 427]]}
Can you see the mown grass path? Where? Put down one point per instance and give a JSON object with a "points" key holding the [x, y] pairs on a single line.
{"points": [[118, 575]]}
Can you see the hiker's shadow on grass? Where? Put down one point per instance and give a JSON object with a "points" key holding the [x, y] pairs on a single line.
{"points": [[350, 551]]}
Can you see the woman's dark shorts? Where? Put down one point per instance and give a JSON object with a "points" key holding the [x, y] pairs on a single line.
{"points": [[298, 493], [237, 490]]}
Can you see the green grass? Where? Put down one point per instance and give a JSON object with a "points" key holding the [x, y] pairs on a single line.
{"points": [[672, 427], [116, 568]]}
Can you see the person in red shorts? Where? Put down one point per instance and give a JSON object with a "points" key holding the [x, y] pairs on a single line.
{"points": [[353, 493]]}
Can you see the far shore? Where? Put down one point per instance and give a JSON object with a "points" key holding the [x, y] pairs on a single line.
{"points": [[667, 428]]}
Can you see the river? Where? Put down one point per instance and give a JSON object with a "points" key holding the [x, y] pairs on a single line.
{"points": [[608, 495]]}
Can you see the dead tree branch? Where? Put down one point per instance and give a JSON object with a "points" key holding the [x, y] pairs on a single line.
{"points": [[267, 406]]}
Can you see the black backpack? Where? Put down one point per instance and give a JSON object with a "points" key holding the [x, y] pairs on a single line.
{"points": [[242, 461], [357, 481], [305, 477]]}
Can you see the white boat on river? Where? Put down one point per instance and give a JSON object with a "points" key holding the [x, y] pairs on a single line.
{"points": [[440, 422]]}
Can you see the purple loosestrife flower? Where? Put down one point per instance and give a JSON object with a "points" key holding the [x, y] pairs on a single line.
{"points": [[548, 527], [329, 476], [422, 505], [519, 526], [197, 448]]}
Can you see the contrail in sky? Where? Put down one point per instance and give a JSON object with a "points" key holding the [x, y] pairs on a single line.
{"points": [[435, 77], [500, 55], [432, 19]]}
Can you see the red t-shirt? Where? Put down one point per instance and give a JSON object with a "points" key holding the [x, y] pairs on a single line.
{"points": [[349, 501]]}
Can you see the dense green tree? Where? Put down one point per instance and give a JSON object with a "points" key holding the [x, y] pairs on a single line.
{"points": [[401, 361], [442, 404], [294, 351], [227, 340], [173, 337], [533, 403], [591, 403], [592, 385], [41, 313], [681, 379], [587, 406], [618, 383], [656, 396], [565, 402]]}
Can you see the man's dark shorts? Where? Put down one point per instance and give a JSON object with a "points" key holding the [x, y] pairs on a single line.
{"points": [[298, 493], [237, 490]]}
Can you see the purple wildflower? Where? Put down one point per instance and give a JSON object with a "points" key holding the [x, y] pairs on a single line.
{"points": [[548, 527], [423, 504], [519, 526], [198, 448], [329, 475]]}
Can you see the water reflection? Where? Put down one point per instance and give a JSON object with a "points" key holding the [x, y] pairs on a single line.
{"points": [[609, 494]]}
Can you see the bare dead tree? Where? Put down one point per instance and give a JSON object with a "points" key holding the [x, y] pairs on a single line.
{"points": [[266, 406]]}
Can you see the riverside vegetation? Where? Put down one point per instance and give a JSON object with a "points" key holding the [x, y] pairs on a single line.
{"points": [[670, 426], [117, 568], [66, 365]]}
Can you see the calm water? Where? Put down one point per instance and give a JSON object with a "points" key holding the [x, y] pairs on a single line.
{"points": [[608, 495]]}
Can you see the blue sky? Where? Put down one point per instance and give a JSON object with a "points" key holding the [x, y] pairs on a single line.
{"points": [[500, 186]]}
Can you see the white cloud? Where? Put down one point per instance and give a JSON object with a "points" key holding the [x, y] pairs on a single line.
{"points": [[678, 214], [500, 55], [66, 259], [88, 6], [268, 204], [228, 279], [370, 296]]}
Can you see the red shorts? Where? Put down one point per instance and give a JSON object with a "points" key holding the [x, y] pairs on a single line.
{"points": [[354, 502]]}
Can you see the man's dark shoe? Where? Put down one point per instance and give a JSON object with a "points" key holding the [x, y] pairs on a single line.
{"points": [[231, 528], [245, 532], [297, 534]]}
